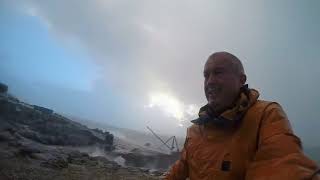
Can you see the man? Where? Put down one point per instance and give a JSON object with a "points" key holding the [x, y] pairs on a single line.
{"points": [[238, 136]]}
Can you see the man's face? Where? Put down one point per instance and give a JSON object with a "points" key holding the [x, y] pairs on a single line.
{"points": [[221, 82]]}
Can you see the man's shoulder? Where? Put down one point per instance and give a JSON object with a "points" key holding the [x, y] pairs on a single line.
{"points": [[193, 130], [264, 108], [262, 105]]}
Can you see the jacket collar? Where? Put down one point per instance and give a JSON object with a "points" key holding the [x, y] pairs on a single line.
{"points": [[232, 115]]}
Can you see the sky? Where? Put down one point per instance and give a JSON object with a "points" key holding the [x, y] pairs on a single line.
{"points": [[139, 63]]}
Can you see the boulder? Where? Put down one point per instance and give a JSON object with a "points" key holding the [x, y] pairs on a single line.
{"points": [[43, 109], [3, 88]]}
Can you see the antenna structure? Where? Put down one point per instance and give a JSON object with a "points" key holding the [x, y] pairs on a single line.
{"points": [[174, 142]]}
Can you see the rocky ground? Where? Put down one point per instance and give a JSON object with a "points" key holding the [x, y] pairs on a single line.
{"points": [[36, 143], [33, 161], [24, 161]]}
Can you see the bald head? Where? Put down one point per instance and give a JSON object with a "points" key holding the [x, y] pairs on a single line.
{"points": [[223, 78], [229, 58]]}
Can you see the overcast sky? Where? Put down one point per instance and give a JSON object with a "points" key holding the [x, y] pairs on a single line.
{"points": [[132, 63]]}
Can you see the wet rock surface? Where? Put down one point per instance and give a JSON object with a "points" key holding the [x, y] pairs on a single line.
{"points": [[153, 161], [36, 143], [48, 128], [61, 163]]}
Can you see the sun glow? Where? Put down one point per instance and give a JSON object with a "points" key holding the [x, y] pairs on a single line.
{"points": [[171, 106]]}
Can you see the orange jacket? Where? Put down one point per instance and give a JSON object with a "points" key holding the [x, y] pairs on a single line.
{"points": [[262, 147]]}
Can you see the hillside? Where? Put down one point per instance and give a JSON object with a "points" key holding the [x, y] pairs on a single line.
{"points": [[37, 143]]}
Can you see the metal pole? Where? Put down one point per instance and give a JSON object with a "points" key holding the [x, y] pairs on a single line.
{"points": [[166, 141], [158, 137], [176, 144]]}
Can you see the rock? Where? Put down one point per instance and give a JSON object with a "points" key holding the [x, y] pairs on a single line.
{"points": [[36, 143], [6, 126], [6, 136], [43, 126], [158, 161], [108, 147], [43, 109], [58, 162], [120, 160], [14, 143], [29, 149], [30, 134], [77, 154], [7, 154], [145, 170], [41, 156], [156, 172], [3, 88]]}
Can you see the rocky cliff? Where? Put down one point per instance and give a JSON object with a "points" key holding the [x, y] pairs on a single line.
{"points": [[37, 143]]}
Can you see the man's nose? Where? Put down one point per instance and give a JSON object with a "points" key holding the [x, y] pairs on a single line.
{"points": [[211, 79]]}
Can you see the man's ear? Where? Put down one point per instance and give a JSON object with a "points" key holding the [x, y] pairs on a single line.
{"points": [[243, 78]]}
